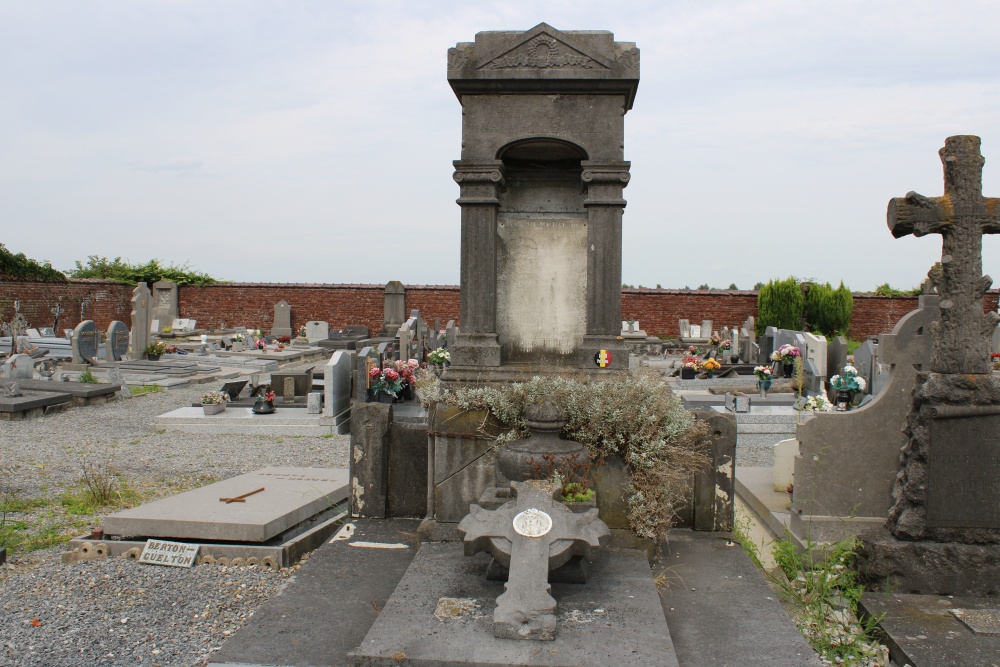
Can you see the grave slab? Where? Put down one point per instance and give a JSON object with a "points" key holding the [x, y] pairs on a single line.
{"points": [[31, 404], [615, 619], [290, 495], [287, 421], [925, 630]]}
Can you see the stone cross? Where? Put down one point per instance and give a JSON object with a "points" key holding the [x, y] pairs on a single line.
{"points": [[962, 336], [532, 534]]}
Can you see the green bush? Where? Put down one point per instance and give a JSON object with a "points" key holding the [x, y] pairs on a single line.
{"points": [[21, 267], [828, 311], [780, 304], [129, 274], [885, 289]]}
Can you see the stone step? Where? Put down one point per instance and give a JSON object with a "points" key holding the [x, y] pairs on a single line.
{"points": [[766, 427]]}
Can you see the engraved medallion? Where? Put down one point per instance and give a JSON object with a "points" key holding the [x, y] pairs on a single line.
{"points": [[532, 523]]}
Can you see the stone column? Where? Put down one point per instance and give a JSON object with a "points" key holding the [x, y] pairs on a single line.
{"points": [[604, 182], [480, 184]]}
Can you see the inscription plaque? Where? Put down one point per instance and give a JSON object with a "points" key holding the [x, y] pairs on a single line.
{"points": [[85, 339], [963, 480]]}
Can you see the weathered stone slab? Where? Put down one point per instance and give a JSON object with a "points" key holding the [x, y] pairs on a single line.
{"points": [[616, 619], [369, 458], [290, 496], [963, 472], [928, 630]]}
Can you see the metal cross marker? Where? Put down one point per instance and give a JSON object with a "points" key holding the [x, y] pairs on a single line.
{"points": [[240, 499], [961, 339], [531, 535]]}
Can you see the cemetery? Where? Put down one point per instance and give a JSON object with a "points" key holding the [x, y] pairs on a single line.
{"points": [[532, 468]]}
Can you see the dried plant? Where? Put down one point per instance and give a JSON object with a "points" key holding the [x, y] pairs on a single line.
{"points": [[101, 482]]}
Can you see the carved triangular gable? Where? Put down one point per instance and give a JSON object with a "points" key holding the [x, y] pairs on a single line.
{"points": [[543, 47]]}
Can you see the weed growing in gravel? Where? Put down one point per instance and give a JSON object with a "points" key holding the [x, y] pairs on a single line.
{"points": [[87, 377], [147, 389], [821, 586]]}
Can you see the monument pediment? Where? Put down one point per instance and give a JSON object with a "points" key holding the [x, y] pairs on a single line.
{"points": [[545, 59], [543, 47]]}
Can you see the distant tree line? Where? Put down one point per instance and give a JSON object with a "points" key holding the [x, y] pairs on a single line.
{"points": [[804, 306]]}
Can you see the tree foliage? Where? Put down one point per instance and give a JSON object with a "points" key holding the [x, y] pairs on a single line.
{"points": [[828, 310], [780, 304], [122, 272], [885, 289], [23, 268]]}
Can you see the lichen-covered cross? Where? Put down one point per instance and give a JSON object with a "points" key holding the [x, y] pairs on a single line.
{"points": [[961, 339], [530, 535]]}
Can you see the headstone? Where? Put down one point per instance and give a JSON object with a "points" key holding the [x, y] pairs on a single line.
{"points": [[541, 194], [995, 342], [685, 328], [814, 352], [282, 319], [141, 309], [734, 334], [288, 390], [451, 332], [19, 367], [531, 535], [48, 332], [405, 339], [182, 324], [766, 346], [843, 488], [356, 330], [314, 403], [706, 328], [361, 364], [784, 464], [394, 309], [316, 330], [116, 341], [836, 355], [866, 361], [33, 333], [164, 302], [696, 331], [337, 382], [85, 342]]}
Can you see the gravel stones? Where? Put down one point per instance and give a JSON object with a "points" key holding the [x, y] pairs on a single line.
{"points": [[117, 611]]}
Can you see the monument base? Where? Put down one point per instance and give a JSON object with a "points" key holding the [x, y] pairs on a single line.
{"points": [[930, 568], [441, 613]]}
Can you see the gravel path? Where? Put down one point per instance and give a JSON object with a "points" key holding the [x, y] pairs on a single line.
{"points": [[117, 612]]}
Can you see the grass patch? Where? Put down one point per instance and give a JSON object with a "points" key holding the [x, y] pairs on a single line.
{"points": [[146, 389]]}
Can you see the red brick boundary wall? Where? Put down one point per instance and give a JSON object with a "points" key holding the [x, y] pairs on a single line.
{"points": [[252, 304]]}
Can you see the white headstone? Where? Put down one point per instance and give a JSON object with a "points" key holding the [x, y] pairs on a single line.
{"points": [[316, 330]]}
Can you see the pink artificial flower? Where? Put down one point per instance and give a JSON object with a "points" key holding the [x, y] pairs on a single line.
{"points": [[374, 372], [391, 375], [413, 363]]}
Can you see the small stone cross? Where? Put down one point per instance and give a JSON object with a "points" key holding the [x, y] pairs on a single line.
{"points": [[961, 217], [532, 534]]}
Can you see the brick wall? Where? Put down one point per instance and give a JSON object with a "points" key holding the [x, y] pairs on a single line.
{"points": [[102, 302], [657, 310]]}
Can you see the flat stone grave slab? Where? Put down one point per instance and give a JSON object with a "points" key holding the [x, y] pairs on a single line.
{"points": [[74, 389], [31, 404], [926, 630], [171, 368], [288, 354], [441, 613], [286, 420], [290, 496]]}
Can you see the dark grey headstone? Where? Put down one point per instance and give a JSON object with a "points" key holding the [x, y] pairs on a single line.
{"points": [[116, 345], [85, 341]]}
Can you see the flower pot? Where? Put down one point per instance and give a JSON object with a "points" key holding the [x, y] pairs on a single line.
{"points": [[213, 408], [153, 357], [262, 407], [710, 374], [407, 392], [385, 397], [763, 386], [844, 399], [734, 359], [787, 369], [687, 373]]}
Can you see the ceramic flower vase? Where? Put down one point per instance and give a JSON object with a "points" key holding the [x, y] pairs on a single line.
{"points": [[763, 386], [844, 399], [787, 369]]}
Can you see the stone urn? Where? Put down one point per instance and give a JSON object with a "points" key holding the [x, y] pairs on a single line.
{"points": [[545, 420]]}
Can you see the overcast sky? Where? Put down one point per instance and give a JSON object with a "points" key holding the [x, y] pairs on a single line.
{"points": [[313, 141]]}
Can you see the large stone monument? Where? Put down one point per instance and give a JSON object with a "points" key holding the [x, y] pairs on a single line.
{"points": [[165, 308], [541, 179], [943, 531], [142, 307]]}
